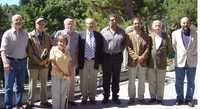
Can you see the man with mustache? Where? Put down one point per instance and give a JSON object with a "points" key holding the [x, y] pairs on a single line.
{"points": [[184, 41]]}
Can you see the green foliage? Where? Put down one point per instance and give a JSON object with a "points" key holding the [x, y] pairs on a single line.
{"points": [[55, 11], [175, 9]]}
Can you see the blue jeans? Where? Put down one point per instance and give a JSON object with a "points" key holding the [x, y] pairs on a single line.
{"points": [[179, 85], [15, 75]]}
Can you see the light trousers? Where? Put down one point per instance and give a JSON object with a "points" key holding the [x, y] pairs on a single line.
{"points": [[140, 72], [34, 75], [72, 84], [60, 88], [156, 80], [88, 80]]}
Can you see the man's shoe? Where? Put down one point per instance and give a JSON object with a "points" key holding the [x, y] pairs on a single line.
{"points": [[152, 100], [29, 106], [131, 101], [105, 101], [92, 102], [160, 102], [116, 100], [142, 101], [84, 102], [46, 104], [189, 103], [72, 103], [179, 102]]}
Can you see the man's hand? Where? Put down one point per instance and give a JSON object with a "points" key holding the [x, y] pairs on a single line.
{"points": [[66, 77], [44, 62], [7, 66], [140, 59]]}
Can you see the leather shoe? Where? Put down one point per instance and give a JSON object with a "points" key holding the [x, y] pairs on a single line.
{"points": [[105, 101], [47, 104], [72, 103], [131, 101], [84, 102], [152, 100], [92, 102], [179, 102], [189, 103], [116, 101]]}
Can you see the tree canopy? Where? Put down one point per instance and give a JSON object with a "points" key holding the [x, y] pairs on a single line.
{"points": [[55, 11]]}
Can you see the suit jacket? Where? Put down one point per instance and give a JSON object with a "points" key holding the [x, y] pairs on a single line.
{"points": [[98, 49], [158, 58], [137, 46], [183, 54], [35, 49]]}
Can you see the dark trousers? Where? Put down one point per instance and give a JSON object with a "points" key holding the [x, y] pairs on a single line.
{"points": [[111, 69]]}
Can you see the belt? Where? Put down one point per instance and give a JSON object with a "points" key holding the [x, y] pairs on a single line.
{"points": [[89, 59], [16, 59], [113, 54]]}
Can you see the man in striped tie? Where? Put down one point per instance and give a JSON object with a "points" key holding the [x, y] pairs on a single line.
{"points": [[90, 50]]}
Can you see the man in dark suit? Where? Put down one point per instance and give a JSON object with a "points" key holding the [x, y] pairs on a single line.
{"points": [[90, 50]]}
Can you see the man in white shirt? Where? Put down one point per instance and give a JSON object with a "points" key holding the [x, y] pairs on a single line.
{"points": [[90, 56], [160, 49]]}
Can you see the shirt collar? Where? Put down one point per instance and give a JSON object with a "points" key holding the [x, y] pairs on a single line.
{"points": [[87, 31], [13, 30], [117, 30]]}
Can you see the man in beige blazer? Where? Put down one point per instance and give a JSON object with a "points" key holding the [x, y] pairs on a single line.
{"points": [[138, 48], [184, 41]]}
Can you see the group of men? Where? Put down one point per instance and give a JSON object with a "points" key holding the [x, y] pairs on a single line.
{"points": [[89, 49]]}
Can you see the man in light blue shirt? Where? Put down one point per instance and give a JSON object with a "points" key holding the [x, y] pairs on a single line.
{"points": [[13, 53]]}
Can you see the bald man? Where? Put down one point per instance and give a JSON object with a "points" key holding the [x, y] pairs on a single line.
{"points": [[72, 38], [13, 54], [184, 41], [160, 49], [90, 51]]}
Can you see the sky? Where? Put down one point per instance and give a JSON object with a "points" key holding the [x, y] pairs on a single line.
{"points": [[9, 2]]}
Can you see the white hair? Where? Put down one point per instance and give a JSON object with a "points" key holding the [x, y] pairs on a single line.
{"points": [[16, 16], [89, 19]]}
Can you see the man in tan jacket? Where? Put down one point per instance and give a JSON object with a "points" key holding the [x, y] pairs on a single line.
{"points": [[38, 51], [138, 48]]}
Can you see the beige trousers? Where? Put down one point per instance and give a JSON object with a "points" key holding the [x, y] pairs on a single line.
{"points": [[88, 80], [72, 85], [34, 75], [156, 80], [139, 72]]}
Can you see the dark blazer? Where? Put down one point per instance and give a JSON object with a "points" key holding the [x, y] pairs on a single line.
{"points": [[98, 49]]}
